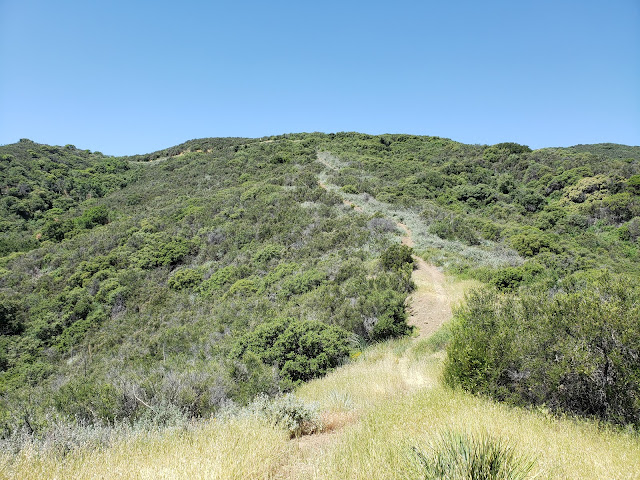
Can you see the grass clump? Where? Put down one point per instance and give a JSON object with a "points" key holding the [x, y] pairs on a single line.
{"points": [[287, 411], [460, 456]]}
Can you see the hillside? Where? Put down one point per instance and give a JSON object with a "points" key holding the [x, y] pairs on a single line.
{"points": [[156, 288], [374, 415]]}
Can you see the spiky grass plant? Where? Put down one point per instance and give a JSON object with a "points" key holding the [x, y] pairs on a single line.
{"points": [[461, 456]]}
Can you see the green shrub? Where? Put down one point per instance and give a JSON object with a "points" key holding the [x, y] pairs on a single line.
{"points": [[222, 278], [532, 241], [512, 147], [58, 229], [302, 349], [455, 228], [634, 184], [94, 216], [185, 278], [630, 231], [396, 256], [244, 288], [159, 249], [508, 279], [268, 253], [573, 348], [88, 401], [76, 332], [11, 316], [302, 282], [384, 315]]}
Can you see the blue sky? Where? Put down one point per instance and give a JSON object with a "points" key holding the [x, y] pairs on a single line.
{"points": [[126, 77]]}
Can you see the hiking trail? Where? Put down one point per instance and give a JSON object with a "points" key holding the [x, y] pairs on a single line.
{"points": [[428, 306]]}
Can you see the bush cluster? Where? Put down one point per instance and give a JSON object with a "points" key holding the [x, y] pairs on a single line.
{"points": [[574, 349], [299, 350]]}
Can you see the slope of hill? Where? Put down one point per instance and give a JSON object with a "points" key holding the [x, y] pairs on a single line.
{"points": [[163, 286], [375, 415]]}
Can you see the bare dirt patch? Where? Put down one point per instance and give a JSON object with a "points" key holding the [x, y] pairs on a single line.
{"points": [[310, 448], [429, 305]]}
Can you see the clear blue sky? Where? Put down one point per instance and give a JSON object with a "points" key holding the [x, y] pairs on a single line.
{"points": [[126, 77]]}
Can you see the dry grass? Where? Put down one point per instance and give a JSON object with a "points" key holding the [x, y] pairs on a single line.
{"points": [[396, 414], [234, 449], [376, 409]]}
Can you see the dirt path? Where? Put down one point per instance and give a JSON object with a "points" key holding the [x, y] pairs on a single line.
{"points": [[428, 306]]}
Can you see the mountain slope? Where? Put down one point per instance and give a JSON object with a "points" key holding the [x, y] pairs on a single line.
{"points": [[154, 279]]}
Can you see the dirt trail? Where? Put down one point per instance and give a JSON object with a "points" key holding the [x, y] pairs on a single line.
{"points": [[429, 307], [429, 304]]}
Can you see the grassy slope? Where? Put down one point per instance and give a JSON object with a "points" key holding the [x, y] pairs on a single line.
{"points": [[397, 412], [380, 405]]}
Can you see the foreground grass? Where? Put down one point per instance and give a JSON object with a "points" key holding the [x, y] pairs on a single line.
{"points": [[233, 449], [396, 416], [379, 407]]}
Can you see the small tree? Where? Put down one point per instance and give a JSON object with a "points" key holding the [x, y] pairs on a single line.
{"points": [[394, 257]]}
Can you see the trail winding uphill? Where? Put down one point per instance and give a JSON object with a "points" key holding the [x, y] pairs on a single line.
{"points": [[429, 304], [429, 307]]}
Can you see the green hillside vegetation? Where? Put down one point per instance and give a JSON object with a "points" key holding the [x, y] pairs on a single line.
{"points": [[157, 302], [151, 289], [46, 191]]}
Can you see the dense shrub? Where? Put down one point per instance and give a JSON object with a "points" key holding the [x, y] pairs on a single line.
{"points": [[57, 229], [575, 348], [508, 279], [384, 315], [396, 256], [11, 316], [301, 350], [94, 216], [185, 278], [630, 231], [87, 401], [532, 241], [455, 228], [159, 250]]}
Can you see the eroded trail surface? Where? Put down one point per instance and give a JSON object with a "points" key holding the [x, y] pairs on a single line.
{"points": [[429, 304]]}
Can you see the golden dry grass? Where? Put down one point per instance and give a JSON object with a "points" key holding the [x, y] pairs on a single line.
{"points": [[233, 449], [376, 409], [397, 413]]}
